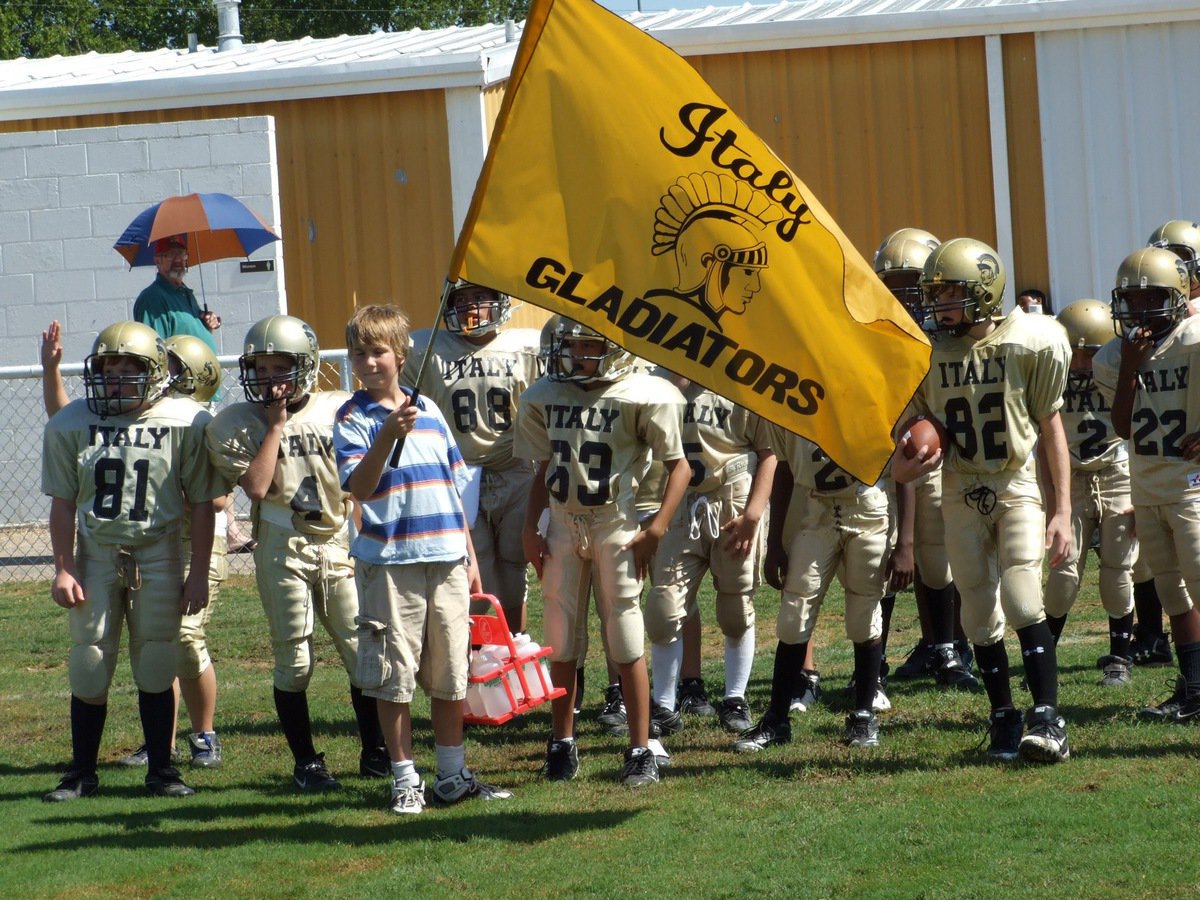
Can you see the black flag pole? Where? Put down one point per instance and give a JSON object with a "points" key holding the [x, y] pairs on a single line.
{"points": [[437, 321]]}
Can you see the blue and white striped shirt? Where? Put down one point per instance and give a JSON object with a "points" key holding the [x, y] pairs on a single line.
{"points": [[415, 514]]}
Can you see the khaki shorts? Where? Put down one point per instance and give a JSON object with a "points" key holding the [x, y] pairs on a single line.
{"points": [[846, 535], [138, 585], [413, 628], [586, 555], [1169, 539], [693, 546]]}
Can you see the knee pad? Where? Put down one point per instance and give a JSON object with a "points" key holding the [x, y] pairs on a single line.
{"points": [[1062, 587], [89, 670], [293, 666], [861, 625], [664, 620], [154, 665], [1116, 591], [735, 614]]}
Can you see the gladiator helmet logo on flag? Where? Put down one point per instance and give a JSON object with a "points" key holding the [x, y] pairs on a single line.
{"points": [[711, 221]]}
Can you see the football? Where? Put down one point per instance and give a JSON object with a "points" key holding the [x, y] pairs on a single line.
{"points": [[921, 431]]}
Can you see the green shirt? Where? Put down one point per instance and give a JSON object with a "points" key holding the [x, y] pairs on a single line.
{"points": [[171, 310]]}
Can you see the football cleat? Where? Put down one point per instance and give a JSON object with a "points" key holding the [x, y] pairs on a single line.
{"points": [[206, 750], [640, 768], [1045, 737], [1151, 651], [734, 715], [613, 712], [920, 662], [808, 692], [407, 799], [693, 698], [664, 721], [462, 785], [661, 756], [950, 672], [374, 763], [312, 776], [74, 784], [1168, 708], [562, 761], [862, 729], [767, 733], [167, 783], [1004, 734], [1116, 671], [1188, 712]]}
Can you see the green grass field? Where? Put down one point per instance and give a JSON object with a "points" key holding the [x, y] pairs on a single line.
{"points": [[923, 815]]}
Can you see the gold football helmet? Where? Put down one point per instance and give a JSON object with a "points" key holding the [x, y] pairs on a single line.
{"points": [[1151, 293], [282, 336], [199, 375], [1182, 238], [1089, 326], [899, 262], [973, 265], [614, 362], [107, 394], [473, 317]]}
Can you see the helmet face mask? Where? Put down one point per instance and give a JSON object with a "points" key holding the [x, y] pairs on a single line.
{"points": [[126, 370], [280, 361], [964, 275], [899, 262], [1151, 293], [195, 370], [569, 361], [474, 311]]}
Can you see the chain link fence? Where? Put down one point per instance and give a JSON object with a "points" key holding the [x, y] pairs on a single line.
{"points": [[25, 510]]}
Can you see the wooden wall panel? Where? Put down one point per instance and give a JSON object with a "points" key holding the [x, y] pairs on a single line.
{"points": [[1025, 178]]}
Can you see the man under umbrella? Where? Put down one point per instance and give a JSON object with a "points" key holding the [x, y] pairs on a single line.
{"points": [[168, 305]]}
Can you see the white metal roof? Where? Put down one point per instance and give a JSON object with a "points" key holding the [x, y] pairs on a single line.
{"points": [[482, 55]]}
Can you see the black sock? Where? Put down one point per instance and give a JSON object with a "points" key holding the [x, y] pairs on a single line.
{"points": [[1041, 663], [1120, 635], [87, 727], [366, 712], [993, 669], [940, 603], [292, 709], [867, 656], [789, 660], [157, 712], [1189, 668], [1056, 625], [1149, 610], [886, 605]]}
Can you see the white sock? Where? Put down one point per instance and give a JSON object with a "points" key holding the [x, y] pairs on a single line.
{"points": [[405, 772], [739, 659], [665, 661], [450, 760]]}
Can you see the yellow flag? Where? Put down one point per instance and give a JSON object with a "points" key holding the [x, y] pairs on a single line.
{"points": [[622, 192]]}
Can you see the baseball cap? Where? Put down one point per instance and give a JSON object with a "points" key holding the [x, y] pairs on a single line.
{"points": [[162, 245]]}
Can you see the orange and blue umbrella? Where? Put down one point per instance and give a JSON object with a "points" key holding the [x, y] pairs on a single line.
{"points": [[217, 226]]}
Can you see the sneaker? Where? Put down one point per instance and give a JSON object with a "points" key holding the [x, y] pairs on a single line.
{"points": [[950, 672], [1045, 736], [375, 763], [1116, 671], [808, 692], [661, 756], [613, 713], [1168, 708], [1188, 712], [167, 783], [562, 761], [407, 799], [920, 662], [734, 715], [767, 733], [462, 785], [640, 769], [664, 721], [140, 757], [693, 698], [1151, 652], [206, 750], [862, 729], [74, 784], [312, 776], [1004, 734]]}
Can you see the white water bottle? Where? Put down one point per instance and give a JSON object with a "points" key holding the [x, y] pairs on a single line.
{"points": [[527, 651]]}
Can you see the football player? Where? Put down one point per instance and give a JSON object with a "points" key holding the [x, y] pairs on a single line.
{"points": [[842, 528], [477, 374], [1099, 494], [123, 468], [899, 262], [997, 386], [278, 445], [715, 529], [1144, 375], [588, 425]]}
